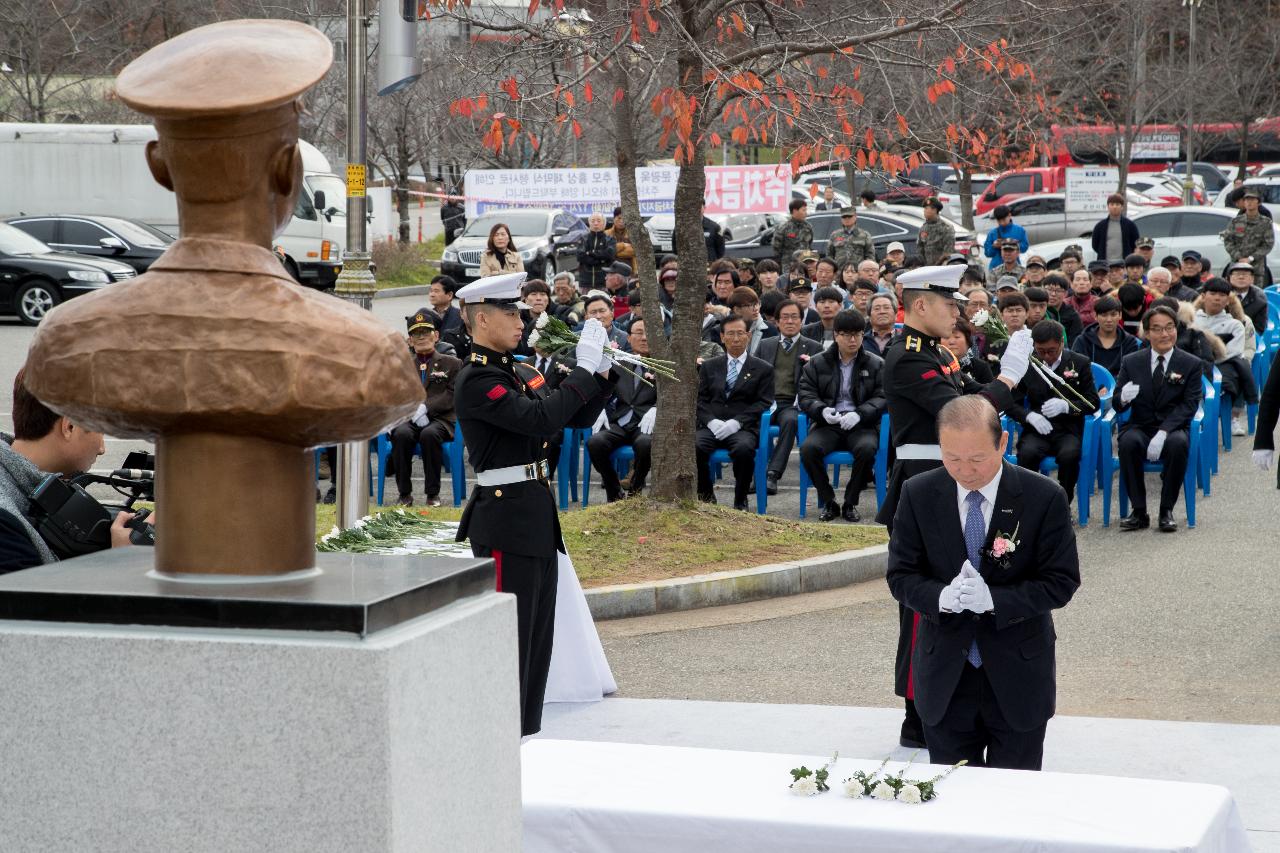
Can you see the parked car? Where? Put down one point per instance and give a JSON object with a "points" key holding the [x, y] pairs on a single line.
{"points": [[933, 174], [802, 192], [34, 278], [883, 227], [949, 194], [1175, 230], [1010, 185], [126, 240], [546, 238], [1045, 217], [888, 188], [1268, 187], [1270, 170], [1214, 178], [734, 226]]}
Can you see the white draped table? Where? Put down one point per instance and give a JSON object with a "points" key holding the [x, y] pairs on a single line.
{"points": [[590, 797]]}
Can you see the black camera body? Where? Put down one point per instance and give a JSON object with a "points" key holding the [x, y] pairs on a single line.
{"points": [[74, 523]]}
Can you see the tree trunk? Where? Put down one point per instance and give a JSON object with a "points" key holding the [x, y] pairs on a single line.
{"points": [[966, 197], [645, 267], [402, 193]]}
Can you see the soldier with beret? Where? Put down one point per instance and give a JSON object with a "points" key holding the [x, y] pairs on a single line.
{"points": [[432, 425], [1007, 263], [512, 515]]}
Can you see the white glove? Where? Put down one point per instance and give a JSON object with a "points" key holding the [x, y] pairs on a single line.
{"points": [[601, 424], [420, 417], [1156, 446], [949, 600], [1263, 459], [1040, 423], [831, 416], [715, 425], [1017, 356], [647, 422], [849, 420], [1128, 392], [975, 595], [590, 350], [1053, 407], [730, 427]]}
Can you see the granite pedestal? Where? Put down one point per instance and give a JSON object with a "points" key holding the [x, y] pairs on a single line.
{"points": [[385, 719]]}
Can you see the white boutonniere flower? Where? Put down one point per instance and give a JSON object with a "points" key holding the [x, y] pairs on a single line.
{"points": [[1002, 545], [1070, 374], [804, 356], [563, 368]]}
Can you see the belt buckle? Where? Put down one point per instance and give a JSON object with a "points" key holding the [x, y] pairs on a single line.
{"points": [[530, 472]]}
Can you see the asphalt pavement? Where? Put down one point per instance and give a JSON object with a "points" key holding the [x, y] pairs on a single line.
{"points": [[1165, 626]]}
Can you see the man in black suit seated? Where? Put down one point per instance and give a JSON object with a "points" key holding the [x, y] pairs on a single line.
{"points": [[842, 393], [788, 352], [630, 422], [1050, 428], [734, 390], [1160, 388], [983, 551]]}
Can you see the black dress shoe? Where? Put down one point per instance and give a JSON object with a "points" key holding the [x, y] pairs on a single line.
{"points": [[1135, 521], [1167, 524], [707, 497], [742, 505], [331, 496], [751, 490], [404, 500], [830, 512], [851, 513], [771, 483]]}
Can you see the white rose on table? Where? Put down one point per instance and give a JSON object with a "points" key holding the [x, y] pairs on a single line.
{"points": [[853, 789], [910, 794], [884, 791], [805, 786]]}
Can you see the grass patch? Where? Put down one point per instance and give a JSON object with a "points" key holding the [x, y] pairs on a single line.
{"points": [[402, 265]]}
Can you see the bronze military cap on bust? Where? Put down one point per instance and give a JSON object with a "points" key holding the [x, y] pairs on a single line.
{"points": [[215, 352]]}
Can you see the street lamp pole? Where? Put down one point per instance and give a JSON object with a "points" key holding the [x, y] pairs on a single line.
{"points": [[355, 282], [1189, 180]]}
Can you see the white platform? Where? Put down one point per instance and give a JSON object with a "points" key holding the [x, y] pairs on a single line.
{"points": [[158, 740], [1242, 758]]}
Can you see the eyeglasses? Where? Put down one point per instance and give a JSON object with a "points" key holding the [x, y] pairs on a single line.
{"points": [[733, 334], [417, 336], [849, 334]]}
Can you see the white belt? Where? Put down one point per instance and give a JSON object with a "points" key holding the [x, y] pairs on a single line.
{"points": [[512, 474], [920, 451]]}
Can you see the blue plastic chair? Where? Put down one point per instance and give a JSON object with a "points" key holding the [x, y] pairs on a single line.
{"points": [[1207, 462], [1111, 467], [453, 464], [567, 467], [879, 468]]}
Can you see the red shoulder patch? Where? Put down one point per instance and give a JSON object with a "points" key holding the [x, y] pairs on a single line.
{"points": [[929, 374], [496, 392], [537, 381]]}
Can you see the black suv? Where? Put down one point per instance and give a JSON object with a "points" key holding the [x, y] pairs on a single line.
{"points": [[126, 240], [35, 278]]}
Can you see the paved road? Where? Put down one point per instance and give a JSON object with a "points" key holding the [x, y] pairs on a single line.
{"points": [[1179, 627]]}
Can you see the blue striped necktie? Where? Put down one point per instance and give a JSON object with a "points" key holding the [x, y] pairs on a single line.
{"points": [[731, 377]]}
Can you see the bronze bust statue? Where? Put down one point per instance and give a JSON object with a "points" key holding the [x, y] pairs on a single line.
{"points": [[216, 353]]}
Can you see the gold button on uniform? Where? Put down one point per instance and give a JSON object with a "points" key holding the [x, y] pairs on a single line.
{"points": [[497, 493]]}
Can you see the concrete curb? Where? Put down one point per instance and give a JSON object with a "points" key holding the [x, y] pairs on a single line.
{"points": [[411, 290], [770, 581]]}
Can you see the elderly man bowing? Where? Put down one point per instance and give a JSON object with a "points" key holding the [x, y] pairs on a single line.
{"points": [[983, 551]]}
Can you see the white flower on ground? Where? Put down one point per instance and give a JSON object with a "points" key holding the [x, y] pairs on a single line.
{"points": [[910, 794], [853, 789], [980, 319], [541, 322], [332, 533], [804, 787], [535, 336], [883, 791]]}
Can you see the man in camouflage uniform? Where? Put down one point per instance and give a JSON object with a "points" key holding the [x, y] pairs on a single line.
{"points": [[1249, 236], [849, 243], [937, 239], [792, 234], [1008, 262]]}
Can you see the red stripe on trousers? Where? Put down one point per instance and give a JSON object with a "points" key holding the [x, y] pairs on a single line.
{"points": [[915, 627], [497, 568]]}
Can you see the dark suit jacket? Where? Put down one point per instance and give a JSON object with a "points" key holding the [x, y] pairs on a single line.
{"points": [[1017, 638], [1173, 404], [751, 397], [631, 395], [820, 386], [1035, 392], [768, 351]]}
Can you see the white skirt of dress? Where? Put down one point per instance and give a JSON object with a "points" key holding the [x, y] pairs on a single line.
{"points": [[579, 670]]}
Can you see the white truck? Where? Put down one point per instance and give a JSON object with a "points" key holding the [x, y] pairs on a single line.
{"points": [[100, 169]]}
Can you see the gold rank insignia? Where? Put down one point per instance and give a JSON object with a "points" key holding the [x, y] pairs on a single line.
{"points": [[479, 358], [913, 343]]}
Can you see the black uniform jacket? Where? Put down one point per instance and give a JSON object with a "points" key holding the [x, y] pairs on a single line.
{"points": [[1016, 639], [1076, 370], [504, 422]]}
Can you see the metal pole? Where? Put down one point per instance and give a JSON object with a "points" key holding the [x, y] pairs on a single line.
{"points": [[1189, 180], [355, 282]]}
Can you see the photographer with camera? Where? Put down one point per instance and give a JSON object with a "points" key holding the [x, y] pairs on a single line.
{"points": [[43, 443]]}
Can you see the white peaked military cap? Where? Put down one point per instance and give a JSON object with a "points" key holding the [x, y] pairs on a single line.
{"points": [[944, 280], [501, 290]]}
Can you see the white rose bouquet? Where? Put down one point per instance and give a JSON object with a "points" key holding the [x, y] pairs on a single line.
{"points": [[554, 337], [896, 787]]}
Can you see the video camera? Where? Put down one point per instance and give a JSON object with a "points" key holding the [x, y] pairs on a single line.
{"points": [[74, 523]]}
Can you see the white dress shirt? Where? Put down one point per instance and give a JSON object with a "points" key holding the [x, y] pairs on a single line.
{"points": [[1167, 356], [988, 501]]}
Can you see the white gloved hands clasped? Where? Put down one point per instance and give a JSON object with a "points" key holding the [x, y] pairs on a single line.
{"points": [[1054, 406], [1128, 392], [975, 595], [647, 422], [1039, 423], [849, 420], [949, 600], [728, 428], [1263, 459], [1156, 447], [589, 353], [420, 417], [831, 416], [1017, 356]]}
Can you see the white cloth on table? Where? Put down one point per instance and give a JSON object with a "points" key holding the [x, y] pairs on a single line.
{"points": [[579, 670], [590, 797]]}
